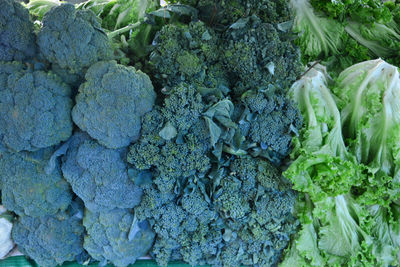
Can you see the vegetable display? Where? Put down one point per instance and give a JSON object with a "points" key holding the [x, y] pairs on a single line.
{"points": [[218, 133]]}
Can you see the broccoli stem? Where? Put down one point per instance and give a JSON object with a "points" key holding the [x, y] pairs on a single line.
{"points": [[124, 29]]}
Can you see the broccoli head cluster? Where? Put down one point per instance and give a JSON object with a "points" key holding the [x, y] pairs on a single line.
{"points": [[103, 162], [207, 206], [17, 39], [73, 39], [35, 108]]}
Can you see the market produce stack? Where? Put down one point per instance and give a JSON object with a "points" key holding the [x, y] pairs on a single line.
{"points": [[200, 132]]}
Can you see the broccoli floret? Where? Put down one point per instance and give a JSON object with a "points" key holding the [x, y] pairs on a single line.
{"points": [[17, 39], [258, 56], [35, 108], [98, 175], [49, 240], [116, 236], [274, 119], [181, 154], [111, 102], [258, 221], [187, 53], [28, 188], [223, 12], [73, 39]]}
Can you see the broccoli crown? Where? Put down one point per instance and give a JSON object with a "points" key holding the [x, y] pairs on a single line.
{"points": [[17, 39], [99, 175], [187, 53], [116, 236], [222, 12], [35, 108], [270, 121], [111, 102], [49, 240], [28, 189], [175, 138], [256, 205], [258, 56], [73, 39]]}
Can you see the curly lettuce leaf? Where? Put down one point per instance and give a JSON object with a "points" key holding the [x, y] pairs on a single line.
{"points": [[370, 110], [322, 167]]}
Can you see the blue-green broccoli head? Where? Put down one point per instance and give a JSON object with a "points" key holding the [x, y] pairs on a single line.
{"points": [[49, 240], [116, 236], [260, 56], [99, 175], [111, 102], [35, 108], [73, 39], [221, 12], [17, 39], [271, 121], [29, 188]]}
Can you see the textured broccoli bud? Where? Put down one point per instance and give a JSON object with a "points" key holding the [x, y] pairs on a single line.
{"points": [[49, 240], [17, 39], [98, 175], [187, 53], [28, 188], [256, 205], [273, 120], [258, 56], [116, 236], [73, 39], [35, 108], [222, 12], [111, 102], [174, 138]]}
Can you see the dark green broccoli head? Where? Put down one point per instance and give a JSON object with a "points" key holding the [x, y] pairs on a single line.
{"points": [[116, 236], [17, 39], [35, 108], [73, 39], [270, 120], [49, 240], [223, 12], [174, 139], [28, 188], [98, 175], [258, 220], [187, 53], [259, 56], [111, 102]]}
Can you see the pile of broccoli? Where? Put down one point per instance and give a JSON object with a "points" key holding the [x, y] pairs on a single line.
{"points": [[182, 160]]}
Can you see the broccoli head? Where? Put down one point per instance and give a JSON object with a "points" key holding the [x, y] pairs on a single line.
{"points": [[187, 53], [73, 39], [35, 108], [49, 240], [111, 102], [28, 188], [99, 175], [116, 236], [256, 205], [175, 138], [223, 12], [259, 56], [17, 39], [270, 120]]}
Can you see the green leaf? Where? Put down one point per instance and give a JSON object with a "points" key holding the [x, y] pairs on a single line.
{"points": [[214, 129]]}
